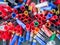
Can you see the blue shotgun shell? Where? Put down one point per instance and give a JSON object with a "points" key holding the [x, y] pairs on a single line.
{"points": [[21, 23], [44, 36], [40, 36], [13, 15], [18, 6], [24, 1], [31, 36], [52, 5], [14, 40], [58, 36], [40, 40], [47, 8], [49, 16], [1, 0], [28, 35], [34, 42], [20, 40]]}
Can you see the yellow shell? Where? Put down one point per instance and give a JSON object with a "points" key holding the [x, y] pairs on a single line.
{"points": [[57, 12], [26, 13], [30, 7], [53, 10]]}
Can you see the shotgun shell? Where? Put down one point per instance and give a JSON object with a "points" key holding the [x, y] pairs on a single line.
{"points": [[30, 8], [28, 2], [53, 36], [47, 31], [19, 41], [28, 35], [22, 8], [13, 15], [40, 36], [21, 24], [28, 32], [34, 42], [40, 41], [31, 36], [14, 40], [58, 36], [26, 13]]}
